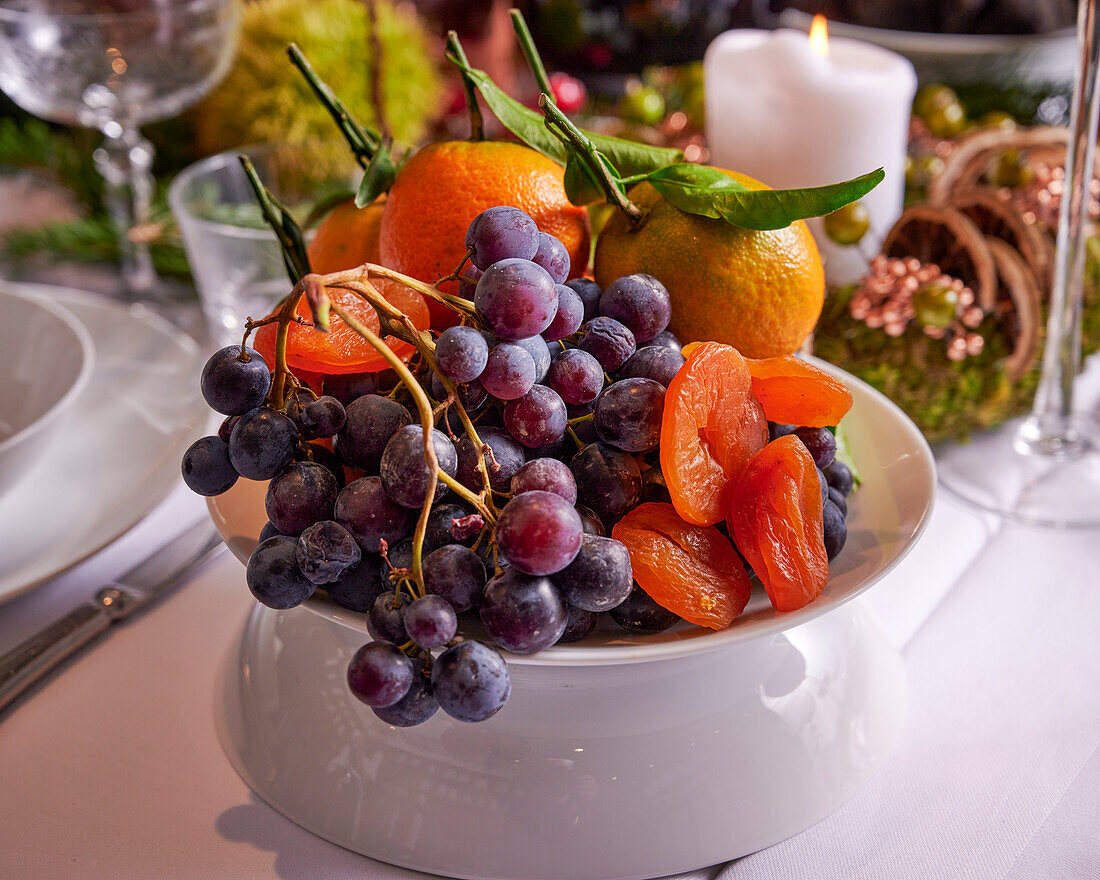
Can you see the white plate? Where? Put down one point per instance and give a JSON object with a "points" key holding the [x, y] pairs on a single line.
{"points": [[115, 453]]}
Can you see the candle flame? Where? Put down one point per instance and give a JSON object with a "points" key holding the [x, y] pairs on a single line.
{"points": [[819, 36]]}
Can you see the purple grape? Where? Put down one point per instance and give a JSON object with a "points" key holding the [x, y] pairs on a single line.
{"points": [[262, 443], [416, 707], [431, 622], [579, 624], [404, 471], [441, 521], [347, 387], [778, 429], [273, 575], [569, 318], [226, 427], [371, 421], [301, 494], [516, 299], [654, 487], [471, 681], [322, 417], [608, 341], [608, 481], [585, 430], [839, 476], [386, 618], [368, 513], [640, 302], [470, 394], [523, 614], [456, 573], [824, 485], [358, 588], [268, 531], [553, 257], [539, 532], [326, 552], [546, 475], [820, 442], [379, 674], [835, 529], [540, 353], [460, 353], [322, 455], [576, 375], [628, 414], [466, 288], [232, 385], [501, 233], [589, 292], [398, 557], [591, 523], [600, 578], [537, 418], [506, 459], [665, 339], [640, 614], [509, 372], [837, 498], [206, 467], [654, 362]]}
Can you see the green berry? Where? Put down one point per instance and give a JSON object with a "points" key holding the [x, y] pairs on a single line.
{"points": [[643, 105], [1010, 168], [920, 171], [948, 121], [998, 119], [934, 305], [932, 98], [849, 224]]}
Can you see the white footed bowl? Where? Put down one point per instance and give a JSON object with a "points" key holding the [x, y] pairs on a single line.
{"points": [[619, 757], [46, 359]]}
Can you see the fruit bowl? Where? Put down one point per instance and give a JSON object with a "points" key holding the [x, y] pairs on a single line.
{"points": [[618, 757]]}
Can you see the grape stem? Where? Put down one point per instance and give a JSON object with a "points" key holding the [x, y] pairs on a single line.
{"points": [[477, 124], [578, 143]]}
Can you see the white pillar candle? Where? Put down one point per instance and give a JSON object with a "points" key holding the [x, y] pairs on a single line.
{"points": [[795, 116]]}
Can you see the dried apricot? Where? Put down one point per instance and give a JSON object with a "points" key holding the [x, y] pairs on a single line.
{"points": [[693, 571], [797, 393], [712, 426], [342, 350], [775, 520]]}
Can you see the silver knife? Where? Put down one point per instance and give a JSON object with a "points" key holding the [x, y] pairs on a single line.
{"points": [[140, 587]]}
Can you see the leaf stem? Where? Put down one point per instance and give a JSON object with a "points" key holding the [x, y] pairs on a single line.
{"points": [[530, 53], [477, 124], [596, 163], [363, 142]]}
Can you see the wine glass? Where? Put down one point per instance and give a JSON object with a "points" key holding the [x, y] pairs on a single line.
{"points": [[1045, 470], [116, 65]]}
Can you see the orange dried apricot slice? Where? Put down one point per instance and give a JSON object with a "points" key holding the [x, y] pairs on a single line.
{"points": [[712, 426], [342, 350], [775, 521], [798, 393], [693, 571]]}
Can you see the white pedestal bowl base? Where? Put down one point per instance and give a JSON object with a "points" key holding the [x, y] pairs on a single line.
{"points": [[600, 772]]}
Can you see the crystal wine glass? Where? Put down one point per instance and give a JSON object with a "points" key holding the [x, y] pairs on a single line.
{"points": [[1045, 470], [116, 65]]}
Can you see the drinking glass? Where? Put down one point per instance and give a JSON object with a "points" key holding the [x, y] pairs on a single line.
{"points": [[1045, 470], [115, 65]]}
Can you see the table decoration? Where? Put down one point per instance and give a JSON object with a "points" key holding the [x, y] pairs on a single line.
{"points": [[797, 111]]}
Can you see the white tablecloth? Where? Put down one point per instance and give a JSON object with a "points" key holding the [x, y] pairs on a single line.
{"points": [[113, 769]]}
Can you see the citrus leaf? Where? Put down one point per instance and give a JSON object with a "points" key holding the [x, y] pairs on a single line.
{"points": [[378, 177], [580, 187], [760, 209], [528, 125], [691, 187]]}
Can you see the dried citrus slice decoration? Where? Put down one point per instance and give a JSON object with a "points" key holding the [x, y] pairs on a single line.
{"points": [[712, 426], [342, 350], [775, 521], [795, 392], [693, 571]]}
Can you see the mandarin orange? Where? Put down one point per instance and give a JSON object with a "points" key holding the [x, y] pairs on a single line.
{"points": [[347, 237]]}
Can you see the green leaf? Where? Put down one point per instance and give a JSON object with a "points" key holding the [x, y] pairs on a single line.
{"points": [[528, 125], [758, 209], [377, 178], [692, 188], [581, 187]]}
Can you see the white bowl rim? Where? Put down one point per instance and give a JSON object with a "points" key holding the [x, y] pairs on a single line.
{"points": [[87, 348], [604, 655]]}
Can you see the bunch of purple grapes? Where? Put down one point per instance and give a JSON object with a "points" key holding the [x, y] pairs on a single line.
{"points": [[564, 383]]}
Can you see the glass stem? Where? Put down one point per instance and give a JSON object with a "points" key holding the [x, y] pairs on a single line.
{"points": [[1049, 430], [125, 160]]}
